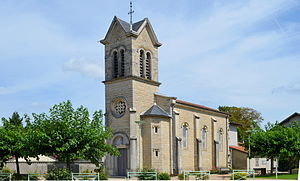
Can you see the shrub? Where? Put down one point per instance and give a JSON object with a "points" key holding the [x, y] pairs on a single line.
{"points": [[5, 169], [59, 174], [180, 176], [20, 177], [103, 176], [214, 171], [202, 177], [163, 176], [145, 176], [86, 171], [239, 176]]}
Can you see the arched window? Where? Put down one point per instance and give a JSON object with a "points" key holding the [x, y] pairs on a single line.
{"points": [[221, 139], [115, 65], [122, 63], [148, 66], [204, 137], [142, 58], [118, 141], [184, 134]]}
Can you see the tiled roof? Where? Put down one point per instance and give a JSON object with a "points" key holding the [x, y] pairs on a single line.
{"points": [[240, 148], [135, 26], [199, 106], [136, 29], [155, 110], [235, 123]]}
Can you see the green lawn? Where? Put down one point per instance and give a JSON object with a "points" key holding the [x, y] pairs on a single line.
{"points": [[283, 176]]}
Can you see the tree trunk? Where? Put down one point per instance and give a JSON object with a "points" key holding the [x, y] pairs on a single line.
{"points": [[17, 165], [68, 164], [299, 171], [272, 165]]}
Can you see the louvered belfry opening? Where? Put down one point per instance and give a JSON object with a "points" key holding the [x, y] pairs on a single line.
{"points": [[148, 66], [116, 65], [122, 63], [142, 58]]}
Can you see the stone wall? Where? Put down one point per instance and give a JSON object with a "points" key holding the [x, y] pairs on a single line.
{"points": [[190, 154]]}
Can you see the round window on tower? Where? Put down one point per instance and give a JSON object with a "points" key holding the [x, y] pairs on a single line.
{"points": [[118, 107]]}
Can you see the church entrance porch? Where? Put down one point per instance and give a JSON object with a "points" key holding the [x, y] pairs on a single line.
{"points": [[118, 166], [122, 162]]}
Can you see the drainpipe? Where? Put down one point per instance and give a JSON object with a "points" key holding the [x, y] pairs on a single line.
{"points": [[227, 146]]}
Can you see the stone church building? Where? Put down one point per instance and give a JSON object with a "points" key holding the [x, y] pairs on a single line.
{"points": [[152, 130]]}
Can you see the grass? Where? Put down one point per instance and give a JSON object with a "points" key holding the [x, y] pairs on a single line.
{"points": [[281, 176]]}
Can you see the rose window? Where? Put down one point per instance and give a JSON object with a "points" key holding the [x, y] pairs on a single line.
{"points": [[120, 107]]}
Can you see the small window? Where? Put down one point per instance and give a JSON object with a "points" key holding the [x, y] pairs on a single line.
{"points": [[221, 139], [184, 134], [156, 152], [204, 132], [155, 129]]}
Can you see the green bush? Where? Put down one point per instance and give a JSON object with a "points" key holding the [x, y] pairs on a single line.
{"points": [[103, 176], [5, 169], [86, 171], [19, 177], [163, 176], [147, 176], [239, 176], [59, 174], [180, 176], [214, 171], [202, 177]]}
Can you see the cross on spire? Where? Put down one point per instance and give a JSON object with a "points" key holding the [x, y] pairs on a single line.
{"points": [[130, 14]]}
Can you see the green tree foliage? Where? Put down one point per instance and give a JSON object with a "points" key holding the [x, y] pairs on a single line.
{"points": [[248, 118], [276, 141], [71, 134], [59, 174], [13, 140]]}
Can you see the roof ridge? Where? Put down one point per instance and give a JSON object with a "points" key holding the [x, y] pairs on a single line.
{"points": [[156, 110], [200, 106]]}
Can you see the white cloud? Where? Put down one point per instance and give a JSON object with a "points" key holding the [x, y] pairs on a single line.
{"points": [[84, 66]]}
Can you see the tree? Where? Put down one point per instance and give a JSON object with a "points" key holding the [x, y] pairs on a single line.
{"points": [[248, 118], [276, 142], [72, 134], [5, 149], [13, 140]]}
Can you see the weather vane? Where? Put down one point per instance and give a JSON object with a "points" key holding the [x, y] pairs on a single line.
{"points": [[130, 13]]}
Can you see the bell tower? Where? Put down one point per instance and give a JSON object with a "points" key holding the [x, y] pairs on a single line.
{"points": [[131, 79]]}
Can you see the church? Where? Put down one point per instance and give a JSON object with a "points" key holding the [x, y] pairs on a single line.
{"points": [[152, 130]]}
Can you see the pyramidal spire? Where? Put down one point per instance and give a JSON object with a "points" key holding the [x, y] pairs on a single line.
{"points": [[130, 14]]}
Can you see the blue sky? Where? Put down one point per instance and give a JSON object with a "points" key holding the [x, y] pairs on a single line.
{"points": [[235, 53]]}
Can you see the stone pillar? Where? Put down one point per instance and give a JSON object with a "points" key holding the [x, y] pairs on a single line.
{"points": [[133, 134], [172, 142], [179, 155], [217, 153], [133, 154], [175, 140], [199, 154]]}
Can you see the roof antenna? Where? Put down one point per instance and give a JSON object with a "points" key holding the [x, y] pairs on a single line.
{"points": [[130, 13]]}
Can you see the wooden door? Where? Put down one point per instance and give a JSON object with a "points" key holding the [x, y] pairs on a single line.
{"points": [[122, 162]]}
